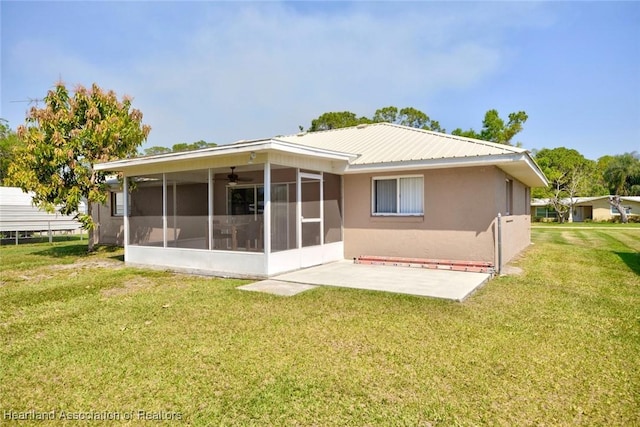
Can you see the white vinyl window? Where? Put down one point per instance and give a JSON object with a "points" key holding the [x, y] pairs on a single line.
{"points": [[509, 197], [117, 203], [402, 195], [615, 211]]}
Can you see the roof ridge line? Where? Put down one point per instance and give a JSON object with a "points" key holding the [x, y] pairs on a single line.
{"points": [[507, 147], [461, 138]]}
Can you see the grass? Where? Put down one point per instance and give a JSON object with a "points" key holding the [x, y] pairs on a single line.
{"points": [[587, 224], [556, 345]]}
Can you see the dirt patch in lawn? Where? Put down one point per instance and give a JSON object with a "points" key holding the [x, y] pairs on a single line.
{"points": [[89, 263], [131, 286], [39, 274]]}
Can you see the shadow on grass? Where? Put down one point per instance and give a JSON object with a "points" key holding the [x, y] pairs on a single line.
{"points": [[118, 257], [632, 259], [77, 250]]}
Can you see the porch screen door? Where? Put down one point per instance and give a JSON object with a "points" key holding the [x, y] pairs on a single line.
{"points": [[310, 210]]}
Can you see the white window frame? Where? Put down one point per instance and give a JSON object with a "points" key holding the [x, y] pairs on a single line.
{"points": [[114, 206], [548, 212], [398, 195], [508, 197], [614, 210]]}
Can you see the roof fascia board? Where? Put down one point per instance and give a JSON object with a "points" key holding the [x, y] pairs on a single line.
{"points": [[232, 149], [184, 155], [534, 167], [491, 160]]}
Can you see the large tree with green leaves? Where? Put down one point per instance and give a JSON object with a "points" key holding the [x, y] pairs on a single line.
{"points": [[9, 142], [181, 146], [495, 129], [622, 176], [407, 116], [62, 142], [336, 120], [568, 173]]}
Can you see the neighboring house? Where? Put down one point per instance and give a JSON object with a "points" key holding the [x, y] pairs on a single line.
{"points": [[19, 217], [585, 208], [263, 207]]}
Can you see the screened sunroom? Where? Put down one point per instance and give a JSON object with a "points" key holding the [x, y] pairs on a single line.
{"points": [[250, 209]]}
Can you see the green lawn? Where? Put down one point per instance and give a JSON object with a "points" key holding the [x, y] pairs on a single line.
{"points": [[586, 225], [557, 345]]}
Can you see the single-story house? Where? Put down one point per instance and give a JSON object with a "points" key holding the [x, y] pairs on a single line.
{"points": [[262, 207], [586, 208], [19, 216]]}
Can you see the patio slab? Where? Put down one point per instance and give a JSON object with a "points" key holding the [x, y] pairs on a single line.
{"points": [[277, 287], [454, 285]]}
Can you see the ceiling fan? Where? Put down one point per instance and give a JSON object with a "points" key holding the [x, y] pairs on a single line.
{"points": [[234, 178]]}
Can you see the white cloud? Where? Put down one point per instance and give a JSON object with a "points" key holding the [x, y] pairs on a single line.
{"points": [[256, 70], [259, 71]]}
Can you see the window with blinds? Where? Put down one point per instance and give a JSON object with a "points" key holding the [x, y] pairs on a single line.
{"points": [[398, 195]]}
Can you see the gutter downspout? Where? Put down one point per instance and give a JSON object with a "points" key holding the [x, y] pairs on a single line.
{"points": [[499, 266]]}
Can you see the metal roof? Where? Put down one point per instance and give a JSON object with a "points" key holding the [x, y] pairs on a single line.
{"points": [[17, 213], [226, 149], [386, 143], [372, 147]]}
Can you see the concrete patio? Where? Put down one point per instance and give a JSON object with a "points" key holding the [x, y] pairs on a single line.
{"points": [[446, 284]]}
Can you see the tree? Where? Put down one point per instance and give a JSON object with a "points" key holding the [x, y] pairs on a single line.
{"points": [[411, 117], [8, 143], [386, 114], [181, 146], [597, 185], [622, 176], [616, 202], [63, 140], [469, 133], [408, 116], [494, 129], [567, 171], [152, 151], [336, 120]]}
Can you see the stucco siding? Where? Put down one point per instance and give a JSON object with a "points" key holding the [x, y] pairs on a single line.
{"points": [[602, 209], [516, 236], [460, 206], [109, 229]]}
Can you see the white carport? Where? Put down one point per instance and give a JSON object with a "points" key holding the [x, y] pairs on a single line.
{"points": [[19, 215]]}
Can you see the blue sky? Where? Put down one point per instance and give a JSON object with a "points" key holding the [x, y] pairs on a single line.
{"points": [[223, 71]]}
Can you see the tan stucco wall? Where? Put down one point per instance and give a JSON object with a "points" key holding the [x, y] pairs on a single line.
{"points": [[516, 236], [460, 207], [109, 229], [602, 209]]}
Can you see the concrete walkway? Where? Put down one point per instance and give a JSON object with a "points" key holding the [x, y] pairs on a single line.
{"points": [[454, 285]]}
